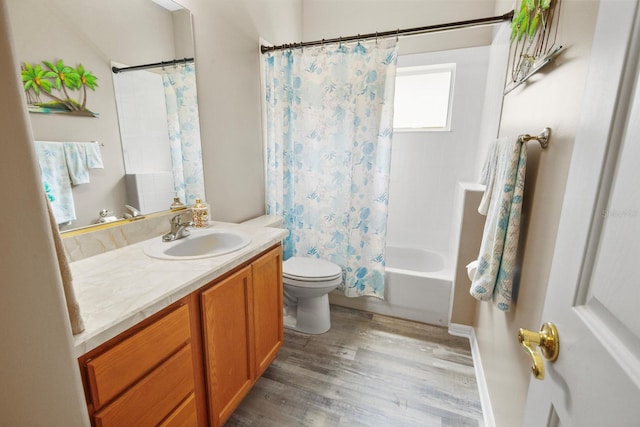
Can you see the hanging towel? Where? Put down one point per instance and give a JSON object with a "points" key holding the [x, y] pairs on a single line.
{"points": [[80, 157], [76, 157], [506, 166], [94, 155], [73, 308], [53, 167], [487, 178]]}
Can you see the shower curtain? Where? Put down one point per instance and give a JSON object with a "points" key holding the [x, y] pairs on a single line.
{"points": [[184, 132], [329, 124]]}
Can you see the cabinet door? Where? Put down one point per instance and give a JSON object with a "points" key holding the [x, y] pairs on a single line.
{"points": [[227, 314], [267, 301]]}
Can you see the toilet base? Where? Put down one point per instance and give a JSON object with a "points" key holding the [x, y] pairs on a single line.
{"points": [[308, 315]]}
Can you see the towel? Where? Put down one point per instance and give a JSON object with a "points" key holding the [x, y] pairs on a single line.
{"points": [[53, 168], [76, 157], [487, 179], [80, 157], [506, 167], [94, 155], [77, 324]]}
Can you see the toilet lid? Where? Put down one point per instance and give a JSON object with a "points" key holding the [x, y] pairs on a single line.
{"points": [[310, 269]]}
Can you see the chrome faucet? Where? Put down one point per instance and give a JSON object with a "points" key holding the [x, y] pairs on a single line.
{"points": [[178, 228]]}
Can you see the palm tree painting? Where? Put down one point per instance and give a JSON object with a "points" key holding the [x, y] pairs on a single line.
{"points": [[57, 81]]}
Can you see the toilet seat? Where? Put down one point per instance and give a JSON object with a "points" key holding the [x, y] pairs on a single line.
{"points": [[310, 270]]}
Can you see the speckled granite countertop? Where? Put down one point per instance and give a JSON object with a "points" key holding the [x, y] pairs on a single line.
{"points": [[120, 288]]}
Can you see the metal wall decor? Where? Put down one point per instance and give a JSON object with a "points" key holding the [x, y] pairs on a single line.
{"points": [[57, 82], [534, 32]]}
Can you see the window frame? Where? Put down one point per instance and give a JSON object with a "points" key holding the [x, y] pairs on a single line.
{"points": [[430, 69]]}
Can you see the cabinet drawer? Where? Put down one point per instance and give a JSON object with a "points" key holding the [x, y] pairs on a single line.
{"points": [[119, 367], [154, 397], [185, 415]]}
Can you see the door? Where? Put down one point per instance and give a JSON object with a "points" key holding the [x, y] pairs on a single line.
{"points": [[267, 303], [227, 316], [594, 286]]}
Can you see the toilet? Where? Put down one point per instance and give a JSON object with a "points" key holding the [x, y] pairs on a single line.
{"points": [[307, 283]]}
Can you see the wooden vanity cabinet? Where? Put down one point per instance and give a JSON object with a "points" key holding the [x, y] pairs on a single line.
{"points": [[192, 363], [242, 331], [151, 374]]}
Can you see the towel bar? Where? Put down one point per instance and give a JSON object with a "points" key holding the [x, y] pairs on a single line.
{"points": [[542, 138]]}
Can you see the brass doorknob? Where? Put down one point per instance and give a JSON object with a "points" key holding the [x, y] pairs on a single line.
{"points": [[548, 341]]}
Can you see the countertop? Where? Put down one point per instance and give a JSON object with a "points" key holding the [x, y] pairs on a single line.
{"points": [[120, 288]]}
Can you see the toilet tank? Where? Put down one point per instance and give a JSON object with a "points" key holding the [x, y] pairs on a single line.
{"points": [[265, 221]]}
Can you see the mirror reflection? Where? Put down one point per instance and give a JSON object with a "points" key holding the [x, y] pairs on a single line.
{"points": [[160, 134], [98, 35]]}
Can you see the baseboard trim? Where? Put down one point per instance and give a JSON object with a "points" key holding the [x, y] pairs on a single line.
{"points": [[470, 333]]}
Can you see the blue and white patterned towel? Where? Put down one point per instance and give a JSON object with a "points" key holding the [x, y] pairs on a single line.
{"points": [[502, 202], [76, 157], [94, 155], [55, 174], [82, 156]]}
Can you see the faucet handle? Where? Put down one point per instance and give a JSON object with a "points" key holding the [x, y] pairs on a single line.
{"points": [[134, 212], [177, 219]]}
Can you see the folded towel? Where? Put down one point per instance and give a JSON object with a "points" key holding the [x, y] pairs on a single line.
{"points": [[73, 308], [94, 155], [502, 200], [76, 157], [53, 168]]}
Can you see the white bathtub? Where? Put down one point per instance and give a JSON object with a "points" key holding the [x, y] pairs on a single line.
{"points": [[417, 287]]}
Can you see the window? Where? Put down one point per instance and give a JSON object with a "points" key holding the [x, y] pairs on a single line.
{"points": [[423, 98]]}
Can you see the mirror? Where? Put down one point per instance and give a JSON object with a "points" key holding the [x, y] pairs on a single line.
{"points": [[96, 34]]}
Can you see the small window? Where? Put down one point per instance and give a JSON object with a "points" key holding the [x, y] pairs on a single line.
{"points": [[423, 98]]}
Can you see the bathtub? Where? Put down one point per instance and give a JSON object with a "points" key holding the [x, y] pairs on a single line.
{"points": [[418, 287]]}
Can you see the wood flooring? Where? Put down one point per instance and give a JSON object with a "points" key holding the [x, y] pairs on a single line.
{"points": [[368, 370]]}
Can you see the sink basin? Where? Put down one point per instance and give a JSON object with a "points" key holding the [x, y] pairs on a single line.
{"points": [[202, 243]]}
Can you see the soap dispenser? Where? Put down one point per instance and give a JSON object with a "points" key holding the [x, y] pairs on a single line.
{"points": [[200, 214], [177, 204]]}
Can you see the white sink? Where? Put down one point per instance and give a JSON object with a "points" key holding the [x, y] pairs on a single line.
{"points": [[202, 243]]}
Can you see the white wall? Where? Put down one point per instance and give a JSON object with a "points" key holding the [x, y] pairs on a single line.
{"points": [[40, 381], [142, 117], [426, 166], [335, 18]]}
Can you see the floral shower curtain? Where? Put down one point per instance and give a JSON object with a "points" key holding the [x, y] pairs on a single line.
{"points": [[184, 132], [328, 151]]}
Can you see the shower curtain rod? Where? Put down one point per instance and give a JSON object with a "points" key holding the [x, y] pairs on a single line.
{"points": [[395, 33], [117, 70]]}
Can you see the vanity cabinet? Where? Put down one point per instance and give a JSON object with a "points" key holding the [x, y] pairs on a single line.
{"points": [[242, 331], [193, 362], [147, 376]]}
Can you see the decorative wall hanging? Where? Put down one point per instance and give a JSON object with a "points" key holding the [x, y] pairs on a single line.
{"points": [[56, 81], [534, 31]]}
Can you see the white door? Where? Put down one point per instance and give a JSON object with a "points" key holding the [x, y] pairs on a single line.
{"points": [[594, 286]]}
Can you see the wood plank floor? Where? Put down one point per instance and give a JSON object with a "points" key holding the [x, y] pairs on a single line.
{"points": [[368, 370]]}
